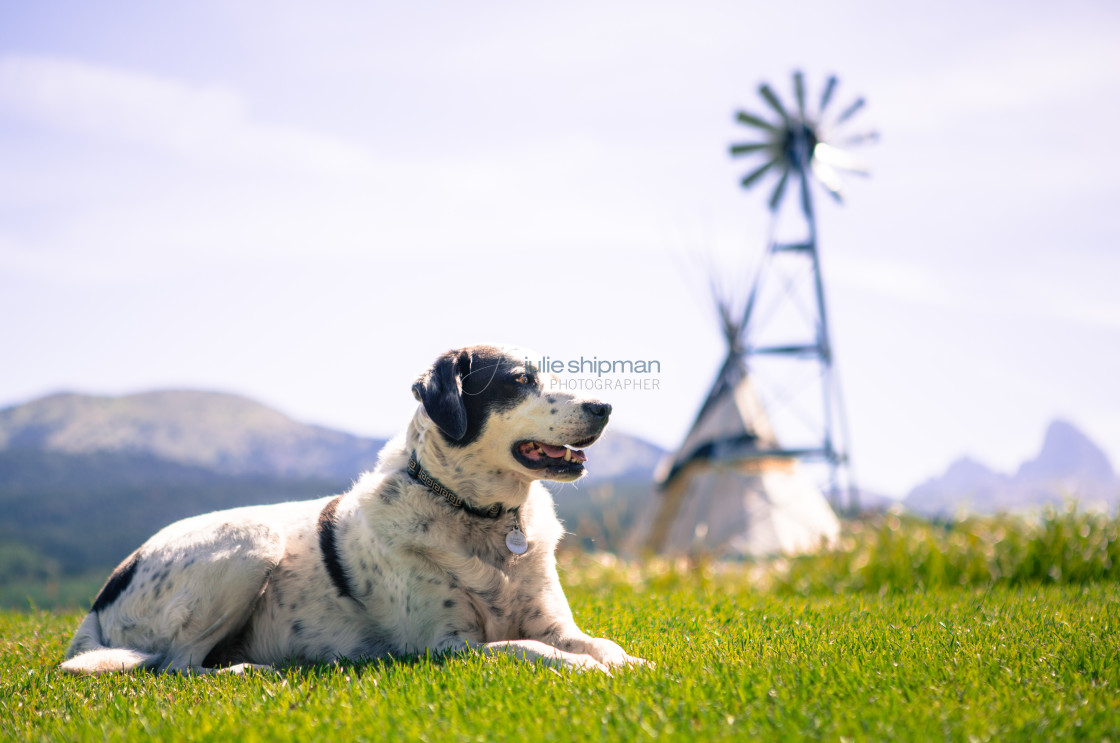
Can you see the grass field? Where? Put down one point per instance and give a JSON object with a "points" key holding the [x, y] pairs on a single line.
{"points": [[1004, 662]]}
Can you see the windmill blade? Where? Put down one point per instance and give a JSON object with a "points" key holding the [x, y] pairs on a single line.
{"points": [[767, 94], [799, 93], [837, 159], [756, 121], [746, 149], [779, 190], [826, 96], [850, 111], [829, 178], [857, 139], [751, 178]]}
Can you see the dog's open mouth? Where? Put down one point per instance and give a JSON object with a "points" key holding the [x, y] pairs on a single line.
{"points": [[558, 458]]}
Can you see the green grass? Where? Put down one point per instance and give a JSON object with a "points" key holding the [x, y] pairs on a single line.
{"points": [[1005, 662], [896, 552]]}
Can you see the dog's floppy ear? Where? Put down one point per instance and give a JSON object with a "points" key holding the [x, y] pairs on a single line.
{"points": [[440, 389]]}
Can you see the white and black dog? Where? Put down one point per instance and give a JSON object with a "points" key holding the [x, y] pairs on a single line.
{"points": [[448, 544]]}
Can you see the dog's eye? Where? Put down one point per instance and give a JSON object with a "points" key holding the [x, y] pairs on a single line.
{"points": [[523, 379]]}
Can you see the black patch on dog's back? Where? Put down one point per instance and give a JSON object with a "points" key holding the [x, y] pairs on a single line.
{"points": [[328, 521], [118, 581]]}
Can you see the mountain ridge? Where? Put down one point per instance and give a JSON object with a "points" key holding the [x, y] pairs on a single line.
{"points": [[227, 433], [232, 434], [1068, 465]]}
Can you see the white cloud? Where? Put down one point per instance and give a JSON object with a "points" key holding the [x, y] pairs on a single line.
{"points": [[210, 123]]}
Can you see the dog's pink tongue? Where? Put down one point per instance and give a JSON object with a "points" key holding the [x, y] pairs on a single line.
{"points": [[578, 455], [555, 452]]}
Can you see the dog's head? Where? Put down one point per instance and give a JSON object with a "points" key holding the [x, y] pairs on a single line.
{"points": [[494, 402]]}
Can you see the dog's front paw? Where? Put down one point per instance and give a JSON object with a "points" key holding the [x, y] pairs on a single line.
{"points": [[533, 650], [612, 655], [579, 662], [633, 660]]}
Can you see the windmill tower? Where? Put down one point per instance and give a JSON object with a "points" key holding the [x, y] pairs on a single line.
{"points": [[733, 488], [800, 146]]}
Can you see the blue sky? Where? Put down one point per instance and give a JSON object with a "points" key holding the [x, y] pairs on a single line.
{"points": [[307, 204]]}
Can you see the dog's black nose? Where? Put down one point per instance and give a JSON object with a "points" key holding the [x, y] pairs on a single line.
{"points": [[598, 409]]}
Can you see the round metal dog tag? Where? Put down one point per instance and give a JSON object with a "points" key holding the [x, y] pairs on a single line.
{"points": [[516, 542]]}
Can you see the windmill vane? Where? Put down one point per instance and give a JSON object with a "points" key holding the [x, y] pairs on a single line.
{"points": [[801, 143]]}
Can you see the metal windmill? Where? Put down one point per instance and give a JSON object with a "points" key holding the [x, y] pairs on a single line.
{"points": [[803, 146]]}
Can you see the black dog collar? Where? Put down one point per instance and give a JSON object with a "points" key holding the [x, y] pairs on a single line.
{"points": [[418, 473]]}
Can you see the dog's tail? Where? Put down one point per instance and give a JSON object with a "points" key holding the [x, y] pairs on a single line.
{"points": [[87, 655]]}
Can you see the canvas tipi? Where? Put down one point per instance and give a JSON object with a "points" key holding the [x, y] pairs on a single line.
{"points": [[731, 490]]}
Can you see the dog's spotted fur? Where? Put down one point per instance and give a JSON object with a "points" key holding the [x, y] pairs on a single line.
{"points": [[388, 568]]}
